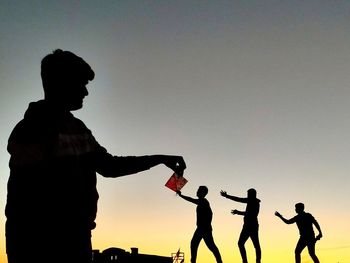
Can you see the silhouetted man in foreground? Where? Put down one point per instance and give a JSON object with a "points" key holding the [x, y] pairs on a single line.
{"points": [[52, 197], [204, 228], [250, 226], [305, 222]]}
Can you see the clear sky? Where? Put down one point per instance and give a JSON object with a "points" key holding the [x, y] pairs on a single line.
{"points": [[251, 93]]}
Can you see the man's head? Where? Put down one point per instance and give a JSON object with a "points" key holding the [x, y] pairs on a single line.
{"points": [[202, 191], [251, 193], [65, 76], [299, 208]]}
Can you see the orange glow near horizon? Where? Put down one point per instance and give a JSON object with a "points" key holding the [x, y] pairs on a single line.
{"points": [[277, 241], [163, 236]]}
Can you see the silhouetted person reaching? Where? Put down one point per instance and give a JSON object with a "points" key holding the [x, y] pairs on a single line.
{"points": [[52, 196], [204, 228], [305, 222], [250, 226]]}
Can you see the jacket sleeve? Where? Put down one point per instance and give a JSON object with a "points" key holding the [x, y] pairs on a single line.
{"points": [[116, 166], [109, 165]]}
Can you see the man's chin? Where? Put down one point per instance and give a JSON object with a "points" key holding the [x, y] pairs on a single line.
{"points": [[76, 106]]}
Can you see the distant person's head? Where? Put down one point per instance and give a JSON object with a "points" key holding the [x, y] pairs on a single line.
{"points": [[202, 191], [251, 193], [299, 208], [65, 76]]}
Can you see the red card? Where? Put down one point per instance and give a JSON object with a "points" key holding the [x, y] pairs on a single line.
{"points": [[176, 182]]}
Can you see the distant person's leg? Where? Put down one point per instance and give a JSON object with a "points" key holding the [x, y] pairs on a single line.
{"points": [[209, 241], [255, 239], [242, 239], [298, 249], [196, 239], [311, 248]]}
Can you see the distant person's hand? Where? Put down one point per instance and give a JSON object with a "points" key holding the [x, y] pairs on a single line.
{"points": [[223, 193], [234, 212], [319, 236], [175, 163], [178, 192], [277, 214]]}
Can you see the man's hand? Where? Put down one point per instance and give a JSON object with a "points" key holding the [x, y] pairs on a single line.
{"points": [[234, 212], [223, 193], [175, 163], [178, 192], [319, 236], [278, 214]]}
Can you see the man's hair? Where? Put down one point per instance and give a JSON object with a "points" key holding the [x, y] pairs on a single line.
{"points": [[63, 65], [251, 193], [204, 190], [300, 206]]}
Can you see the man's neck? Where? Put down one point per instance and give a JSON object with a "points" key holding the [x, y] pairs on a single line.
{"points": [[56, 106]]}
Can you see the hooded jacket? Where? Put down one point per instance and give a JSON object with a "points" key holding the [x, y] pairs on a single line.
{"points": [[53, 165]]}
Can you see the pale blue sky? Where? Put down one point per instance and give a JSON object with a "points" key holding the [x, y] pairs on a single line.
{"points": [[251, 93]]}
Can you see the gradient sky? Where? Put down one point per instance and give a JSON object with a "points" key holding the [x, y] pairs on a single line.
{"points": [[251, 93]]}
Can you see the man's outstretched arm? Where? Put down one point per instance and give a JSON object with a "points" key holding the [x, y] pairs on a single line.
{"points": [[233, 198], [287, 221], [187, 198], [237, 212], [320, 235], [116, 166]]}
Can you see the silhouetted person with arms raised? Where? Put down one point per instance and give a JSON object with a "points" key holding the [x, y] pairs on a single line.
{"points": [[250, 226], [305, 222], [204, 229], [52, 196]]}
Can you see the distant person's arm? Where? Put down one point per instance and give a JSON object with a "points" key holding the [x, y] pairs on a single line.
{"points": [[319, 236], [187, 198], [233, 198], [287, 221], [237, 212]]}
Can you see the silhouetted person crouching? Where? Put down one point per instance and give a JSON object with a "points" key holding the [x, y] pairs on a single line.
{"points": [[250, 226], [305, 222], [204, 228], [52, 196]]}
